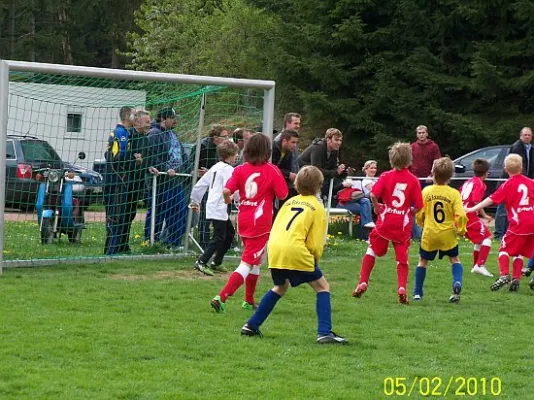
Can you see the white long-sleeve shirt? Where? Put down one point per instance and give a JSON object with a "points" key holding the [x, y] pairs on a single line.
{"points": [[213, 181]]}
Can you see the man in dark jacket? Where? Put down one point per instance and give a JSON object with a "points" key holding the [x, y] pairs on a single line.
{"points": [[523, 147], [282, 157], [208, 158], [324, 154], [167, 155]]}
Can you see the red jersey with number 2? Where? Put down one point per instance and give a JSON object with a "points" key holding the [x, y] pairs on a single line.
{"points": [[517, 194], [258, 185], [399, 191]]}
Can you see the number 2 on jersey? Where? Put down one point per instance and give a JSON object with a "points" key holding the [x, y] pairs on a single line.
{"points": [[524, 194], [297, 211]]}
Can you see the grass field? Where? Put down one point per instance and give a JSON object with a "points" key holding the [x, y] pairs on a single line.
{"points": [[145, 330]]}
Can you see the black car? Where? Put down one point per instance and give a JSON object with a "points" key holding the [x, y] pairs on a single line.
{"points": [[495, 156], [24, 155], [92, 180]]}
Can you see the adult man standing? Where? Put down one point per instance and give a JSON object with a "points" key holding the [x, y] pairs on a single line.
{"points": [[113, 175], [282, 157], [323, 153], [424, 152], [240, 137], [523, 147], [167, 154], [291, 123], [208, 158]]}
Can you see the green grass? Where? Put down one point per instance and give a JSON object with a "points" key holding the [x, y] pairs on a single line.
{"points": [[145, 330]]}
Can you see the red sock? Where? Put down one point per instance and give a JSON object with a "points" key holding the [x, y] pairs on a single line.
{"points": [[368, 264], [476, 255], [250, 287], [234, 282], [504, 264], [517, 265], [402, 275], [483, 256]]}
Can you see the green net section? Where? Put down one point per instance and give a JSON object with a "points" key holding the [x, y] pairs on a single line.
{"points": [[60, 205]]}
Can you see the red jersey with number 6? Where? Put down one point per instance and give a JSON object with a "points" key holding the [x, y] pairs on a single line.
{"points": [[399, 191], [517, 194], [258, 185], [472, 192]]}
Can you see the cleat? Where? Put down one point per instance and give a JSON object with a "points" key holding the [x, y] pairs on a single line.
{"points": [[360, 290], [456, 290], [217, 304], [499, 283], [247, 330], [249, 306], [481, 271], [455, 298], [402, 296], [417, 297], [531, 284], [527, 271], [200, 266], [514, 286], [217, 267], [331, 338]]}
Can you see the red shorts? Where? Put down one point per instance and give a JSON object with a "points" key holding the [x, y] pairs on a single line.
{"points": [[379, 245], [477, 232], [517, 245], [254, 249]]}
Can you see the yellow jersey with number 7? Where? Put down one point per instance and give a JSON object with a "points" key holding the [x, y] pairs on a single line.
{"points": [[442, 218], [297, 236]]}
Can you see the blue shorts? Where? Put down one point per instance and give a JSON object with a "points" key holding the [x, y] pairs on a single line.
{"points": [[295, 277], [430, 255]]}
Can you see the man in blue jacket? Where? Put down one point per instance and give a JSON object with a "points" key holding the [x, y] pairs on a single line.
{"points": [[167, 155]]}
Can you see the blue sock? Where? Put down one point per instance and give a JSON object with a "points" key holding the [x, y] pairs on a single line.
{"points": [[457, 272], [324, 313], [420, 275], [265, 307], [531, 263]]}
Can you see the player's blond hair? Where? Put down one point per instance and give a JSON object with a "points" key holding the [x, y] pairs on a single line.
{"points": [[227, 149], [309, 180], [513, 164], [400, 155], [442, 170]]}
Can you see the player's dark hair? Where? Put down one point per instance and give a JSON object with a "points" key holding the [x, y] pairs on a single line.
{"points": [[480, 166], [257, 149]]}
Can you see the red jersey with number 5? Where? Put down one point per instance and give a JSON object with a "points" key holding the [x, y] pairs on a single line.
{"points": [[517, 194], [472, 192], [399, 191], [258, 185]]}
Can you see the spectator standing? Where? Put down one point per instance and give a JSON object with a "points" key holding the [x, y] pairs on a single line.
{"points": [[167, 155], [240, 137], [424, 151], [282, 157], [324, 153], [114, 178], [523, 147]]}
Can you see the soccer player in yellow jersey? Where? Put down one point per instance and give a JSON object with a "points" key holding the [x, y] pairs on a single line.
{"points": [[442, 218], [294, 249]]}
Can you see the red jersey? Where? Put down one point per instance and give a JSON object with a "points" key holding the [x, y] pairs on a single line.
{"points": [[399, 191], [517, 194], [472, 192], [257, 185]]}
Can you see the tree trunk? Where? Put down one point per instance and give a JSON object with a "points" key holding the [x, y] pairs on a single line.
{"points": [[65, 40], [31, 51]]}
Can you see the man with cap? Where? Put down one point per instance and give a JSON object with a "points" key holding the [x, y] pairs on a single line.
{"points": [[167, 155]]}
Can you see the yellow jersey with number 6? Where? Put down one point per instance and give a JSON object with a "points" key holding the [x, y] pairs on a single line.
{"points": [[442, 218], [297, 236]]}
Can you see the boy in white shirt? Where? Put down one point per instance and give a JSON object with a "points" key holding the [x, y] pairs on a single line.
{"points": [[216, 209]]}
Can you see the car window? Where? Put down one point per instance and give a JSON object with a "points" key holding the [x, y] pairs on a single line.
{"points": [[38, 151], [10, 150], [491, 155]]}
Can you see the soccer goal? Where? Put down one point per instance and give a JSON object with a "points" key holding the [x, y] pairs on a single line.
{"points": [[55, 184]]}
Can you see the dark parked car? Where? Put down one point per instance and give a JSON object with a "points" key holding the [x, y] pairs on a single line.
{"points": [[24, 155], [495, 156], [92, 180]]}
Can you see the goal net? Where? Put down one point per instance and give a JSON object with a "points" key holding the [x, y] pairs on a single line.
{"points": [[76, 187]]}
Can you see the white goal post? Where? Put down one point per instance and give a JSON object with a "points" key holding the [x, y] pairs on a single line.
{"points": [[7, 66]]}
